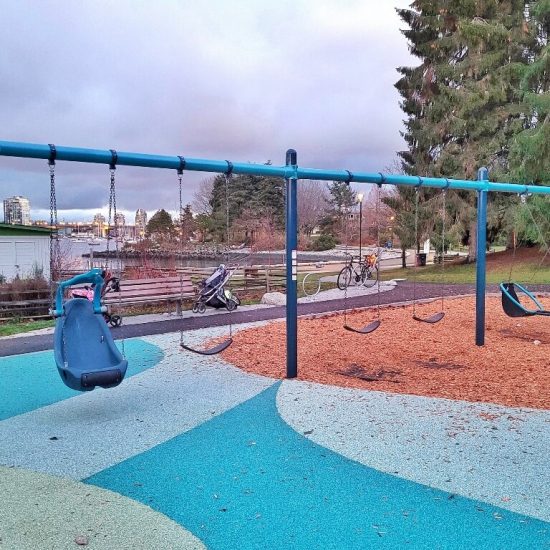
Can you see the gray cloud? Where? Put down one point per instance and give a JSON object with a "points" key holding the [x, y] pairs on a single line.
{"points": [[226, 80]]}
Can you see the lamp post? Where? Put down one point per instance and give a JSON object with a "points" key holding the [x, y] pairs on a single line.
{"points": [[360, 201]]}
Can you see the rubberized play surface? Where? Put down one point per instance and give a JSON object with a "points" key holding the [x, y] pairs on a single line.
{"points": [[191, 452]]}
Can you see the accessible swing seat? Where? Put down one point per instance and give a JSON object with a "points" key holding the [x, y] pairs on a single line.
{"points": [[85, 352], [511, 303]]}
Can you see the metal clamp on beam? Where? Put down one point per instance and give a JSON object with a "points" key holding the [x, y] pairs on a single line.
{"points": [[229, 168], [53, 154], [182, 165], [114, 159]]}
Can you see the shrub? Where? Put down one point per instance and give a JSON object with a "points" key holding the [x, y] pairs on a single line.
{"points": [[323, 242]]}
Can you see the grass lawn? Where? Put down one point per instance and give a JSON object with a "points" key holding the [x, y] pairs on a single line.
{"points": [[525, 270], [15, 327]]}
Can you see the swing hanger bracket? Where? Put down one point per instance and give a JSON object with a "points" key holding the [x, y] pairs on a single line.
{"points": [[114, 159], [229, 170], [181, 167], [382, 180], [349, 179], [53, 154]]}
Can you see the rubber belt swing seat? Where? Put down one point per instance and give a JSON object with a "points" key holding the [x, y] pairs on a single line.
{"points": [[371, 327], [512, 305], [432, 319], [218, 348]]}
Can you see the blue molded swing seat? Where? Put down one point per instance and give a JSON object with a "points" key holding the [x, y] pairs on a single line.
{"points": [[85, 352], [512, 305]]}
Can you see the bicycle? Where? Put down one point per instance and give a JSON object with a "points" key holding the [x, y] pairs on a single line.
{"points": [[359, 273]]}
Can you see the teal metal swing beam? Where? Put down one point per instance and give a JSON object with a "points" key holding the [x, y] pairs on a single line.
{"points": [[291, 172]]}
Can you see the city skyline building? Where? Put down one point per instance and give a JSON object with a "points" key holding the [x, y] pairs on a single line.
{"points": [[17, 211], [140, 223]]}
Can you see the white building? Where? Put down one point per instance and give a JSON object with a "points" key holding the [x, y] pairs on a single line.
{"points": [[24, 251], [17, 211]]}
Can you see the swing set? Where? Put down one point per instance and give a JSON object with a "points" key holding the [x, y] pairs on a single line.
{"points": [[291, 172]]}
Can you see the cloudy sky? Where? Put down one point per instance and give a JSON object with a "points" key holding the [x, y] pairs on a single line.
{"points": [[225, 79]]}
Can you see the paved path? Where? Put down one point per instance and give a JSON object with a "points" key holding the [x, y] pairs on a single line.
{"points": [[401, 293]]}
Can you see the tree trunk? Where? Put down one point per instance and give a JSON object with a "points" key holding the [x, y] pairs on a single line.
{"points": [[403, 258], [472, 242]]}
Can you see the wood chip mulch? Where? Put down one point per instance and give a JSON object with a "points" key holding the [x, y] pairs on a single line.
{"points": [[406, 356]]}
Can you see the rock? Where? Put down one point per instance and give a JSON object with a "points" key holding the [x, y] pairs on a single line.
{"points": [[537, 342], [274, 299], [81, 540]]}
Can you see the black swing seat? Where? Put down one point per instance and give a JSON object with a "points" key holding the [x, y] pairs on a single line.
{"points": [[511, 303], [371, 327], [210, 351], [432, 319]]}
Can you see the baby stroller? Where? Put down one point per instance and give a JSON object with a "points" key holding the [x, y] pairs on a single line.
{"points": [[110, 284], [214, 294]]}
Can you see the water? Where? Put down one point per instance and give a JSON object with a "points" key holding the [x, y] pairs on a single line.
{"points": [[72, 251]]}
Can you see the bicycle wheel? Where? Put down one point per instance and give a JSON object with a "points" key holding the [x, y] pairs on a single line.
{"points": [[368, 276], [311, 284], [344, 278]]}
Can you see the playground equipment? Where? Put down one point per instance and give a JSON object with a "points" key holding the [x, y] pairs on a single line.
{"points": [[213, 291], [84, 350], [85, 353], [291, 172], [373, 325], [436, 317], [511, 301]]}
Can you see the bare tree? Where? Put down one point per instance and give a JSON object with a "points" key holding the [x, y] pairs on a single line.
{"points": [[312, 204], [202, 196]]}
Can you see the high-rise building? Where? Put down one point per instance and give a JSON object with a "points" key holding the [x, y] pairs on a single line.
{"points": [[120, 220], [140, 223], [98, 224], [17, 211]]}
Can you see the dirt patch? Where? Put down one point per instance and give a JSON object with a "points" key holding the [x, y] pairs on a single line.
{"points": [[405, 356]]}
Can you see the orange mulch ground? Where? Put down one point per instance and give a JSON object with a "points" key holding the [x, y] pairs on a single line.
{"points": [[405, 356]]}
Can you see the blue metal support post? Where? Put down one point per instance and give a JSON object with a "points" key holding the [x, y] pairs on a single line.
{"points": [[291, 268], [482, 176]]}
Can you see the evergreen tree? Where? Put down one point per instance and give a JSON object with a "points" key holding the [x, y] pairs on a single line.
{"points": [[257, 196], [160, 227], [530, 155], [466, 102]]}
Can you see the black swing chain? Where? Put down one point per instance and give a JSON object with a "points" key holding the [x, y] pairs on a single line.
{"points": [[227, 176], [54, 236]]}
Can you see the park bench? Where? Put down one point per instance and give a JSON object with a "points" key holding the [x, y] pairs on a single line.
{"points": [[447, 258], [170, 290]]}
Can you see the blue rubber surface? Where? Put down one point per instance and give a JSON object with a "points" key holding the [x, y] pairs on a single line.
{"points": [[31, 381], [245, 479]]}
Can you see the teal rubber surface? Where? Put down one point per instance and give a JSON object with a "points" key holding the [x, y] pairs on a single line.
{"points": [[246, 480], [31, 380]]}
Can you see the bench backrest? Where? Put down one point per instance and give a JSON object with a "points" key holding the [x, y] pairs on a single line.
{"points": [[163, 287]]}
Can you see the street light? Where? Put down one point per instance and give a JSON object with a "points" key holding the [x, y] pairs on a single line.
{"points": [[360, 201]]}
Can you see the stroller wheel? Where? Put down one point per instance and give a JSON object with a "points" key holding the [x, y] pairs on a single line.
{"points": [[231, 305], [195, 307], [201, 308], [236, 299], [115, 320]]}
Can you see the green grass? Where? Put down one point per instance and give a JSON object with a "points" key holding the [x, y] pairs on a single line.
{"points": [[466, 273], [17, 327]]}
